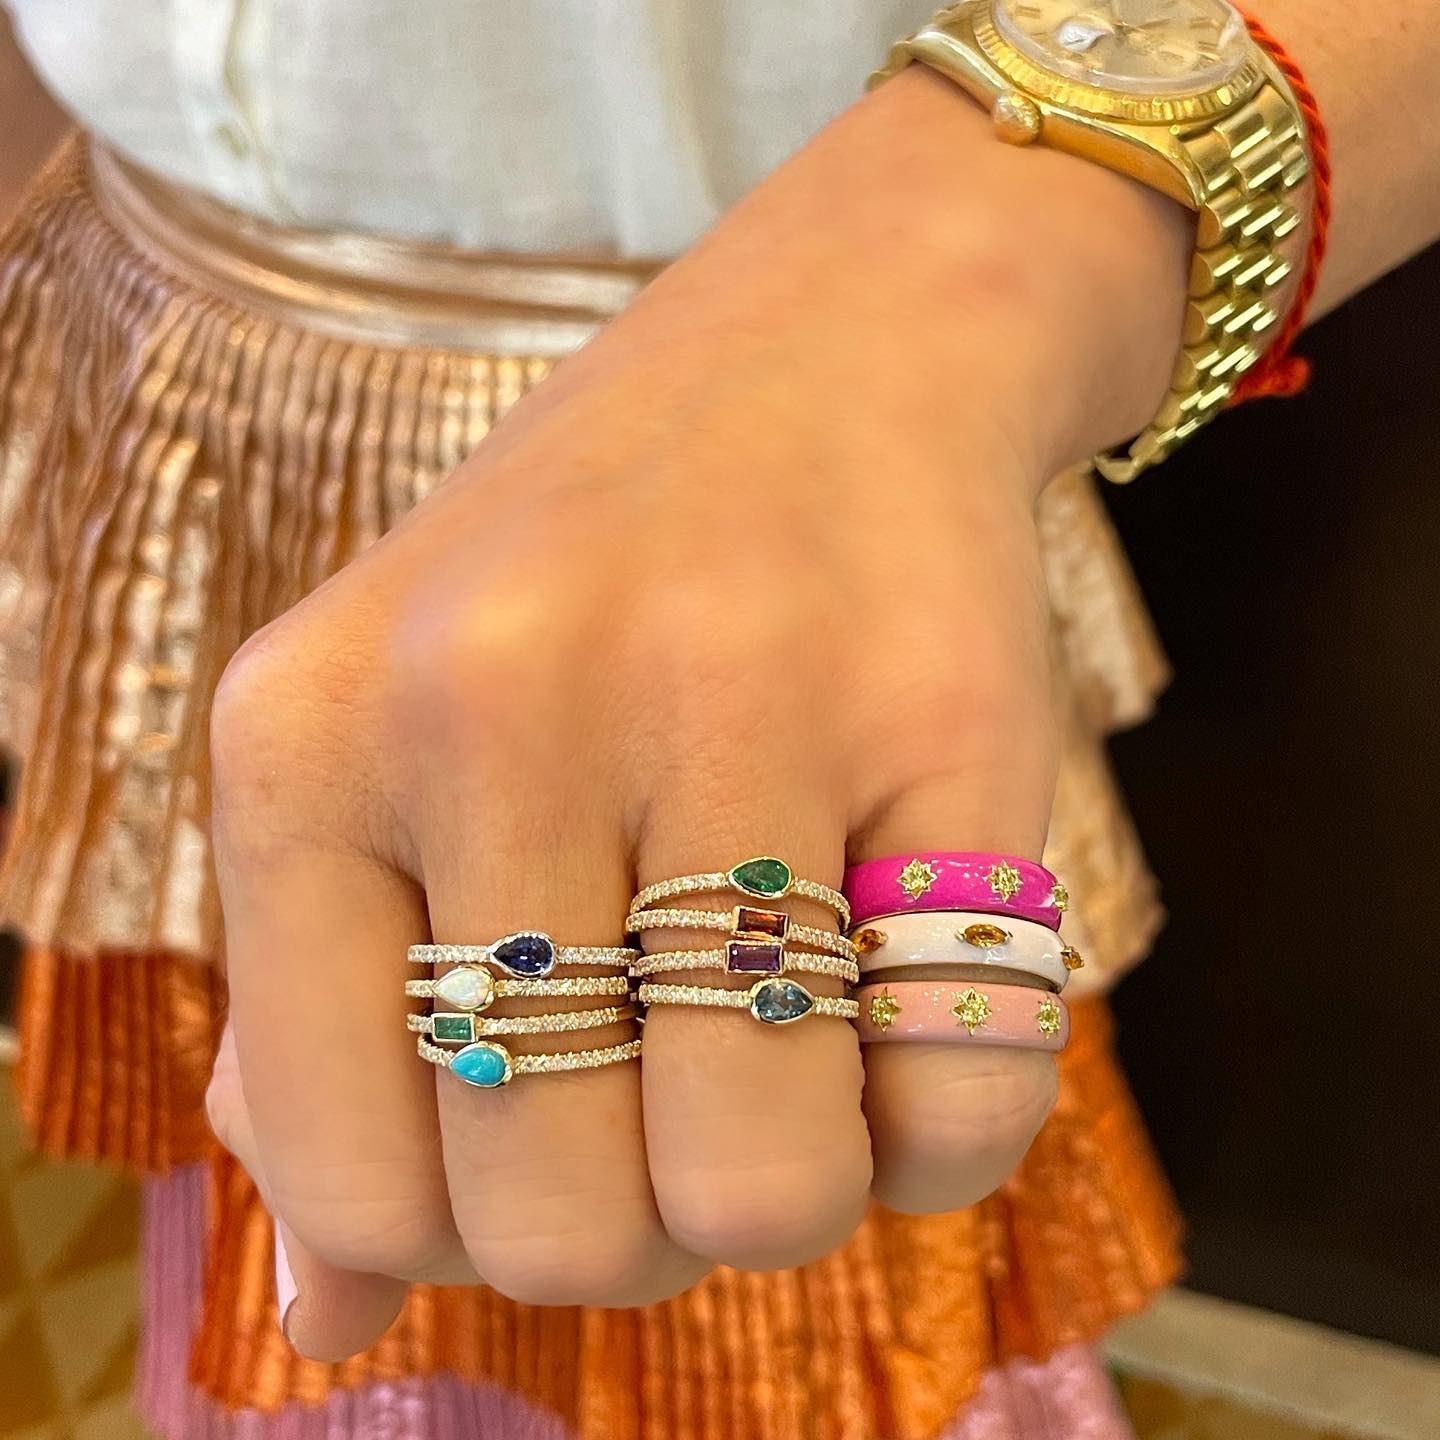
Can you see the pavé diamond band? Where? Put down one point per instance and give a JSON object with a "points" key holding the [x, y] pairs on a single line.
{"points": [[763, 877], [523, 955], [665, 962], [744, 922], [488, 1065], [780, 1001], [462, 1027]]}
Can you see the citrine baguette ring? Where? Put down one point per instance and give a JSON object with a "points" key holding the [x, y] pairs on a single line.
{"points": [[762, 877], [744, 922]]}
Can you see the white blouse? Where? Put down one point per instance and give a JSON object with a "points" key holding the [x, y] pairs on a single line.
{"points": [[524, 125]]}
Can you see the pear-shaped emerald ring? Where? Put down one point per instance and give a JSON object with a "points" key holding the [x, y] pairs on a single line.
{"points": [[763, 877]]}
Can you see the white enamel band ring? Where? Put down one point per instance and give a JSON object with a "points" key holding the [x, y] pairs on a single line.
{"points": [[964, 937]]}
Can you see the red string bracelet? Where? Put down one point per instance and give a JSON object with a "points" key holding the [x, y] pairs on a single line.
{"points": [[1280, 372]]}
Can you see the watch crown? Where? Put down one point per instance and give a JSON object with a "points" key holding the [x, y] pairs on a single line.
{"points": [[1016, 118]]}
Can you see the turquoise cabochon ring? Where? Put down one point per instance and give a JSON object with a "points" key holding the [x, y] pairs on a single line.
{"points": [[488, 1065]]}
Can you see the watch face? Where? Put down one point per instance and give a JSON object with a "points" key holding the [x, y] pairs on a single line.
{"points": [[1148, 47]]}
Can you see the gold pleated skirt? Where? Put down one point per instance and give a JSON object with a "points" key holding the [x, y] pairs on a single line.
{"points": [[202, 417]]}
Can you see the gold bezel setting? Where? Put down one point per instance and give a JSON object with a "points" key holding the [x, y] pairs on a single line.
{"points": [[1035, 80]]}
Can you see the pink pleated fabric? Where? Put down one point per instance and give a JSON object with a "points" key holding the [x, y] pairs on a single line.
{"points": [[1066, 1397]]}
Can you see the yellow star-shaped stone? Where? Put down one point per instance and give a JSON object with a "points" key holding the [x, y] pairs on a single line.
{"points": [[918, 877], [1005, 880], [972, 1009], [1060, 897], [1073, 959], [884, 1008], [1047, 1018]]}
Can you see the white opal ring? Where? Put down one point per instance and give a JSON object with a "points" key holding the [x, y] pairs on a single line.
{"points": [[470, 987], [965, 937]]}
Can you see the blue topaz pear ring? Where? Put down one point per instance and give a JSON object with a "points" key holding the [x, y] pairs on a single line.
{"points": [[779, 1001]]}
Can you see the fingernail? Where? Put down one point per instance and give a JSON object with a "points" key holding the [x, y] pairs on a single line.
{"points": [[285, 1291]]}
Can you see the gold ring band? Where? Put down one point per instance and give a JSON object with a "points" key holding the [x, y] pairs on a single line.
{"points": [[463, 1027], [763, 877], [668, 961], [524, 1064], [490, 954], [530, 989], [740, 922], [778, 1001]]}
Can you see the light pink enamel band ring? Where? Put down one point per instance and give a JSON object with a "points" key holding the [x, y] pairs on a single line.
{"points": [[961, 1013], [942, 880]]}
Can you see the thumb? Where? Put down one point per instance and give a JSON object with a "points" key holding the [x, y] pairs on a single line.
{"points": [[326, 1313]]}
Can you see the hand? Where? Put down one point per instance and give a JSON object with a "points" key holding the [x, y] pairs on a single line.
{"points": [[754, 573]]}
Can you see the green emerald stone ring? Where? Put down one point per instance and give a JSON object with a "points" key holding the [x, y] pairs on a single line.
{"points": [[763, 877]]}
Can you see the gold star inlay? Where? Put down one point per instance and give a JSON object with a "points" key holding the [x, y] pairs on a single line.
{"points": [[1047, 1018], [918, 877], [1005, 880], [869, 940], [1060, 898], [1073, 959], [884, 1008], [972, 1009]]}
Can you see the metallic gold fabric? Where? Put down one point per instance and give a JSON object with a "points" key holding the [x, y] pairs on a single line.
{"points": [[200, 419]]}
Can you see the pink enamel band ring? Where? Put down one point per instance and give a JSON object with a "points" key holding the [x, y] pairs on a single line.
{"points": [[955, 880], [960, 1013]]}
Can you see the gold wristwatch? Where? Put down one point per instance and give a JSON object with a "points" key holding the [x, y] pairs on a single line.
{"points": [[1178, 95]]}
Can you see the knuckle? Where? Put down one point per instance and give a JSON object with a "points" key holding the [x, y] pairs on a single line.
{"points": [[772, 1216], [583, 1268], [384, 1238], [997, 1110], [947, 1135]]}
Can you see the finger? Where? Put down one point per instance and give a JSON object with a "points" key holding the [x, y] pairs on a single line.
{"points": [[343, 1119], [548, 1178], [326, 1313], [949, 1123], [758, 1148]]}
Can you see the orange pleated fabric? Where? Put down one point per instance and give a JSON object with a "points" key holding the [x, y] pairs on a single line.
{"points": [[201, 419]]}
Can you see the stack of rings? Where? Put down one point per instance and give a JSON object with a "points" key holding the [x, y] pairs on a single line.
{"points": [[520, 965], [969, 911], [761, 944]]}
